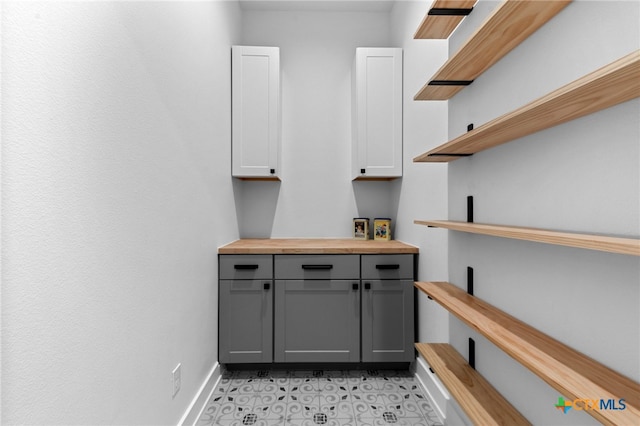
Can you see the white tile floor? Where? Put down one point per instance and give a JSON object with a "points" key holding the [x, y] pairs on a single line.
{"points": [[319, 397]]}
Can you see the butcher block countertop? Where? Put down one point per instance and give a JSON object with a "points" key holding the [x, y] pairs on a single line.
{"points": [[315, 246]]}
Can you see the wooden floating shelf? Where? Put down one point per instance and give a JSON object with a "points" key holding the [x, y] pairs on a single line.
{"points": [[571, 373], [510, 23], [608, 86], [443, 17], [593, 242], [265, 178], [482, 403], [375, 179]]}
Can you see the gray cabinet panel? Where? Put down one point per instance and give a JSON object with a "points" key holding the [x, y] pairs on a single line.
{"points": [[246, 321], [317, 321], [387, 321], [317, 266], [387, 266], [246, 266]]}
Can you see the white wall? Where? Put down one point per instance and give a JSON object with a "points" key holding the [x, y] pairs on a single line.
{"points": [[316, 197], [422, 192], [581, 176], [116, 195]]}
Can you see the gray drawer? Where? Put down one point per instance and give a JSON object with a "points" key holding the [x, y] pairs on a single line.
{"points": [[317, 266], [246, 266], [387, 266]]}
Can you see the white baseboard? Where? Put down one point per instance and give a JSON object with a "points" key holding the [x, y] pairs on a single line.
{"points": [[197, 406], [431, 385]]}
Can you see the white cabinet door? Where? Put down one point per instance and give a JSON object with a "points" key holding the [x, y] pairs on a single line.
{"points": [[255, 89], [377, 113]]}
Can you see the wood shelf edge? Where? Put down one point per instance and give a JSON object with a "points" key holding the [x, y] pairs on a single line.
{"points": [[605, 87], [482, 403], [618, 245], [261, 179], [570, 372], [506, 27], [441, 26], [376, 179], [316, 246]]}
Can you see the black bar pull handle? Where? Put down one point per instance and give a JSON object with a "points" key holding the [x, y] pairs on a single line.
{"points": [[367, 286], [267, 286], [389, 266], [245, 266], [317, 266]]}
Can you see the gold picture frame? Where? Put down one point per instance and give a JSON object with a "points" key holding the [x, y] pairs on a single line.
{"points": [[382, 229], [361, 228]]}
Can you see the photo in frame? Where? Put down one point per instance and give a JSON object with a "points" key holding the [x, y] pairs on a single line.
{"points": [[382, 229], [361, 228]]}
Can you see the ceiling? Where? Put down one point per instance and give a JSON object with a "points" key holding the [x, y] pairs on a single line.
{"points": [[324, 5]]}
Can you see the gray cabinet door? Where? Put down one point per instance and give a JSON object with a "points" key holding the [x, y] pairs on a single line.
{"points": [[317, 321], [246, 321], [387, 321]]}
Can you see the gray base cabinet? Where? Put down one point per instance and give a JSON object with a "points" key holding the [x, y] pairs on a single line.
{"points": [[245, 305], [387, 321], [316, 308], [317, 321], [246, 309], [387, 308]]}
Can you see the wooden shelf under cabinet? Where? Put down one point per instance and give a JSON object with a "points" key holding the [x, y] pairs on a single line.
{"points": [[608, 86], [436, 25], [510, 23], [586, 241], [570, 372], [481, 402]]}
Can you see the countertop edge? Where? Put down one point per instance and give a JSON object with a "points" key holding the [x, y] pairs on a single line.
{"points": [[317, 246]]}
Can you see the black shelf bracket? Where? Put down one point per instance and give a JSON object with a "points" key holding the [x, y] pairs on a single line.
{"points": [[470, 280], [470, 209], [450, 82], [472, 353], [449, 11]]}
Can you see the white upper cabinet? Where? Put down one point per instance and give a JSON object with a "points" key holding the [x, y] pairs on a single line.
{"points": [[255, 89], [377, 113]]}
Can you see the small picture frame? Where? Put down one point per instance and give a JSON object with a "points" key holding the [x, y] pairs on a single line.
{"points": [[382, 229], [361, 228]]}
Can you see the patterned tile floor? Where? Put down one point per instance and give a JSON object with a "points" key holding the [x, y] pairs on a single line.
{"points": [[318, 397]]}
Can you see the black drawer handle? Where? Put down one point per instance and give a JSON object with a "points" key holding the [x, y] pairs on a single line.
{"points": [[317, 266], [367, 286], [354, 286], [389, 266], [245, 266], [267, 286]]}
